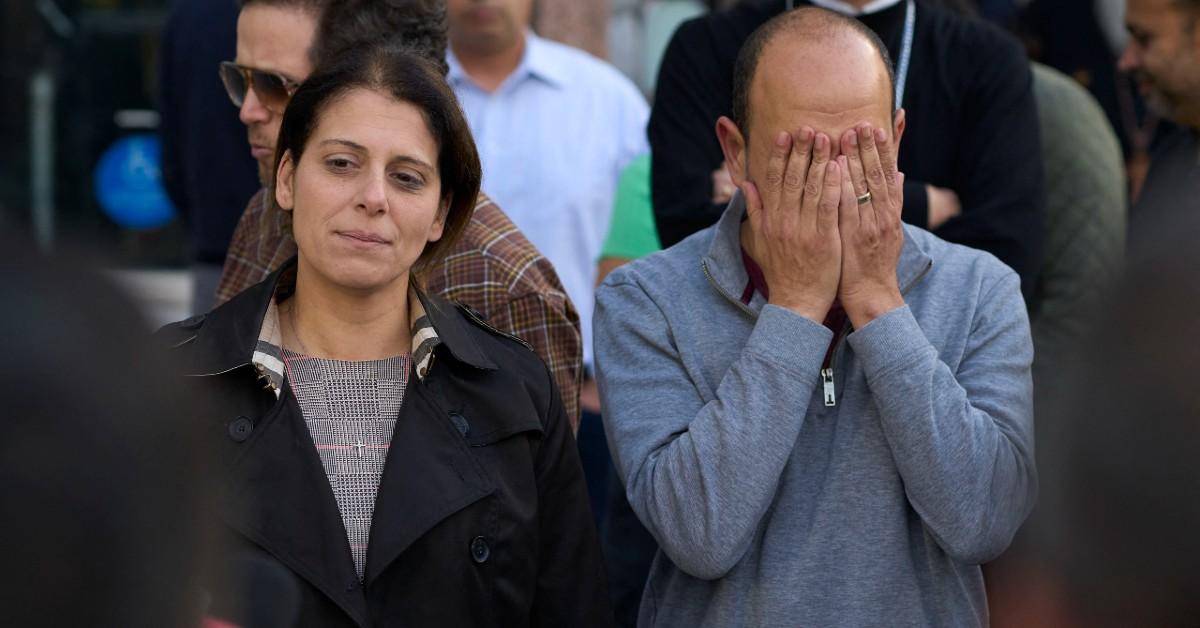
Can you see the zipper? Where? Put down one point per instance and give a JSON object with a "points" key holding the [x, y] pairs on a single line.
{"points": [[737, 302], [828, 389]]}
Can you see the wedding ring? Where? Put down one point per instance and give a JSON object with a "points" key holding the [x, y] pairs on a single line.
{"points": [[862, 200]]}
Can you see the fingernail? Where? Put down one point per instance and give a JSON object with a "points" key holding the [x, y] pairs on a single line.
{"points": [[822, 141], [880, 135], [781, 139], [806, 134], [854, 139], [865, 132], [842, 160]]}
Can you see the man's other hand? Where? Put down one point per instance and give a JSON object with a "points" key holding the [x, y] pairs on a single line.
{"points": [[794, 223], [943, 205], [869, 224], [722, 185]]}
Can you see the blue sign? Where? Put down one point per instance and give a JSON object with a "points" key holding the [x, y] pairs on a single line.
{"points": [[129, 186]]}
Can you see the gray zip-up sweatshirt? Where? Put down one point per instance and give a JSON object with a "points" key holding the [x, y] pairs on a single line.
{"points": [[772, 508]]}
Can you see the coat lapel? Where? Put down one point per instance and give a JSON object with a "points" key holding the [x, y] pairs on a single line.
{"points": [[279, 498], [429, 475]]}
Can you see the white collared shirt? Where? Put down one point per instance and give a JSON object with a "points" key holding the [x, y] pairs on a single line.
{"points": [[553, 139]]}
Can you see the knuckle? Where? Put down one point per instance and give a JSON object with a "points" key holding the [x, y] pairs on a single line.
{"points": [[793, 181], [875, 174], [774, 178], [812, 188]]}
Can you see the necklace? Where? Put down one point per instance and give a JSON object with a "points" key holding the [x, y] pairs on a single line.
{"points": [[906, 45]]}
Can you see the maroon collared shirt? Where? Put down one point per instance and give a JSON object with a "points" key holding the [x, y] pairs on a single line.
{"points": [[835, 320]]}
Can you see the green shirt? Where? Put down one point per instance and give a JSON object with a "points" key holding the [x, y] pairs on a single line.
{"points": [[632, 233]]}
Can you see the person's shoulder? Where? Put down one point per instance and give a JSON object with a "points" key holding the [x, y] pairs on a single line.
{"points": [[180, 333], [512, 355], [667, 270], [970, 34], [492, 248], [583, 70], [955, 266]]}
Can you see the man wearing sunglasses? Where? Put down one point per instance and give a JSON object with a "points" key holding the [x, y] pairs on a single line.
{"points": [[494, 269]]}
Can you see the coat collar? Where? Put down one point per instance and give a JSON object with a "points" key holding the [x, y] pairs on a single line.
{"points": [[724, 267], [245, 331]]}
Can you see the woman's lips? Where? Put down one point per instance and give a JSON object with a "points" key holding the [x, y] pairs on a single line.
{"points": [[363, 237]]}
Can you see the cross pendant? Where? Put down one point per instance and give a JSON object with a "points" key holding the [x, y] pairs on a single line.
{"points": [[359, 447]]}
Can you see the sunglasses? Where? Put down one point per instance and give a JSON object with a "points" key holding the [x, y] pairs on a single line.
{"points": [[273, 90]]}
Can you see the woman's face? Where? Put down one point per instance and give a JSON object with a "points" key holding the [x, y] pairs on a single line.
{"points": [[365, 196]]}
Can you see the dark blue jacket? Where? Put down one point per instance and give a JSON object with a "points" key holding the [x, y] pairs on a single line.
{"points": [[207, 167]]}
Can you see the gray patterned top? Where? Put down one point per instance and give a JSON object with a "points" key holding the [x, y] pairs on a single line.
{"points": [[350, 409]]}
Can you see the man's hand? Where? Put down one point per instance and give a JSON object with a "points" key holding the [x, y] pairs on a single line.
{"points": [[869, 224], [794, 224], [943, 205]]}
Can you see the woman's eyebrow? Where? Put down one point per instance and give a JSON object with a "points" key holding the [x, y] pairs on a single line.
{"points": [[360, 148], [347, 143], [409, 159]]}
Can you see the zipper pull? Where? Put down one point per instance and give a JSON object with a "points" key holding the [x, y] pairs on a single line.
{"points": [[827, 382]]}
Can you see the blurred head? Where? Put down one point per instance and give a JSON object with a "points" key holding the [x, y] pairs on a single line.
{"points": [[288, 38], [808, 67], [378, 167], [1163, 55], [102, 465], [485, 27]]}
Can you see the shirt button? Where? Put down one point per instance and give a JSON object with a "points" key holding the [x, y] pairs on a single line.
{"points": [[480, 551], [240, 428]]}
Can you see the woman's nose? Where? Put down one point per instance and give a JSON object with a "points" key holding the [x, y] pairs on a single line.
{"points": [[374, 193]]}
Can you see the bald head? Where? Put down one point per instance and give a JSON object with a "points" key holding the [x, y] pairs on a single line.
{"points": [[816, 55], [808, 71]]}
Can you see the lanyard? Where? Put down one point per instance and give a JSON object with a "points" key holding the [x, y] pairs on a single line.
{"points": [[906, 44]]}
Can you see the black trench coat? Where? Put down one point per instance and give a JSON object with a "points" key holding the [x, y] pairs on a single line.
{"points": [[482, 516]]}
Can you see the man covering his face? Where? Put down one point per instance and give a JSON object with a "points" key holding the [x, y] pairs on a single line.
{"points": [[823, 416]]}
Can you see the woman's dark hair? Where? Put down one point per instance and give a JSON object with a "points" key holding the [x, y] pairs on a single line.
{"points": [[408, 78]]}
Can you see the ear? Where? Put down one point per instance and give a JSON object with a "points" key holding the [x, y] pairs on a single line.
{"points": [[898, 131], [284, 177], [439, 221], [733, 144]]}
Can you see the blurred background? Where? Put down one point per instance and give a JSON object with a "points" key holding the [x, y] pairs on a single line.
{"points": [[81, 115]]}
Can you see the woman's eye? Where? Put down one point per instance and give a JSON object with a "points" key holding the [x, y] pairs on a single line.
{"points": [[407, 179], [338, 164]]}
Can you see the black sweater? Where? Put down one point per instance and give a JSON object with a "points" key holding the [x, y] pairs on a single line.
{"points": [[971, 126]]}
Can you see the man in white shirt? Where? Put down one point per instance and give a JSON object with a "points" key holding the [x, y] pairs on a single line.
{"points": [[554, 127]]}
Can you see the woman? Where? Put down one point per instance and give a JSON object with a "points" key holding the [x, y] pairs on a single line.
{"points": [[407, 464]]}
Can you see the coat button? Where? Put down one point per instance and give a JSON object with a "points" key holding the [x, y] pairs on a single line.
{"points": [[240, 428], [480, 551], [460, 422]]}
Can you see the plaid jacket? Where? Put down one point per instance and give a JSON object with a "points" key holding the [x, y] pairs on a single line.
{"points": [[493, 269]]}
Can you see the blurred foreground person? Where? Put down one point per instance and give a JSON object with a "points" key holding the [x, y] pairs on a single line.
{"points": [[822, 415], [409, 464], [493, 267], [102, 482], [1116, 524], [1163, 54]]}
